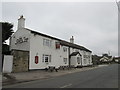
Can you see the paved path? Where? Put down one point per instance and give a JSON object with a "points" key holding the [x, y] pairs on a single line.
{"points": [[103, 77], [41, 74]]}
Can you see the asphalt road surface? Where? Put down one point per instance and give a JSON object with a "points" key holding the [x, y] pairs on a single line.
{"points": [[103, 77]]}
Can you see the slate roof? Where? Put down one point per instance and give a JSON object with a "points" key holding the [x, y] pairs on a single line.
{"points": [[117, 58], [62, 42]]}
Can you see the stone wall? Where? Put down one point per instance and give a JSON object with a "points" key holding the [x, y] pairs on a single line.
{"points": [[20, 61]]}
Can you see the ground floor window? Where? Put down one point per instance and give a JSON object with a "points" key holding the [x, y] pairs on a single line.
{"points": [[85, 61], [46, 58], [65, 60], [89, 60]]}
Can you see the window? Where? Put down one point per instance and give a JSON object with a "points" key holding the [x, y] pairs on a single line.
{"points": [[57, 45], [84, 52], [64, 49], [47, 42], [46, 58], [65, 60], [85, 61], [77, 50], [86, 56], [89, 60]]}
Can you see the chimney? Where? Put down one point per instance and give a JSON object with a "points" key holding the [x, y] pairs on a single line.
{"points": [[72, 40], [21, 22]]}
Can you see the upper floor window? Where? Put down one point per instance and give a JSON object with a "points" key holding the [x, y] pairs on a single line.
{"points": [[77, 50], [84, 52], [47, 42], [87, 56], [64, 49], [57, 45]]}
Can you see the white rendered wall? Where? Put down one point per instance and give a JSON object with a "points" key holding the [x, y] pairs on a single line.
{"points": [[85, 61], [21, 33], [37, 47]]}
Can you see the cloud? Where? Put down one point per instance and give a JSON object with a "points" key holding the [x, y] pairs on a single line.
{"points": [[94, 25]]}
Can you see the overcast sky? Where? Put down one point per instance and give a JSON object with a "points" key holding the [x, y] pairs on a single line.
{"points": [[94, 25]]}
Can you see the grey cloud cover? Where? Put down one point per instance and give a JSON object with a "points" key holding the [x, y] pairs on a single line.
{"points": [[93, 24]]}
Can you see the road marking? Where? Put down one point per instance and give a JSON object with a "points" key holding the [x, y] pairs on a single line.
{"points": [[102, 65], [66, 86]]}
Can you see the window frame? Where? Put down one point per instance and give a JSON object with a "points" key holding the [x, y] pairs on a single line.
{"points": [[65, 60], [44, 58], [47, 42], [64, 49]]}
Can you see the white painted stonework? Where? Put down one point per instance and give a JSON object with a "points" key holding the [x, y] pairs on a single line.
{"points": [[45, 48], [20, 40]]}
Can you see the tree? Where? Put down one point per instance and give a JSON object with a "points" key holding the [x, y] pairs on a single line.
{"points": [[7, 30]]}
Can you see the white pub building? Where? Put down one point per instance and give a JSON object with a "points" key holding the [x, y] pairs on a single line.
{"points": [[32, 50]]}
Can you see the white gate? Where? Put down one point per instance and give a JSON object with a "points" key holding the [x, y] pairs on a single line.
{"points": [[7, 64]]}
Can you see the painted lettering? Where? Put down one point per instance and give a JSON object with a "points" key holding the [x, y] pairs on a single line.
{"points": [[21, 40]]}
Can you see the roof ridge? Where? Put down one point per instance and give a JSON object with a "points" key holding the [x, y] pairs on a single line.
{"points": [[63, 42]]}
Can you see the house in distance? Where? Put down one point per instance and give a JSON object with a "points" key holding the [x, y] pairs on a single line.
{"points": [[32, 50]]}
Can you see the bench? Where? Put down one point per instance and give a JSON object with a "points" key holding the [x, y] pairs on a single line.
{"points": [[52, 68]]}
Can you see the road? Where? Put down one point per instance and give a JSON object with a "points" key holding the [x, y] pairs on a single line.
{"points": [[103, 77]]}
